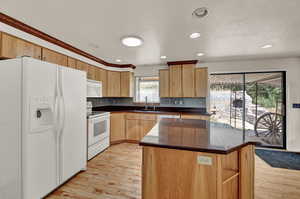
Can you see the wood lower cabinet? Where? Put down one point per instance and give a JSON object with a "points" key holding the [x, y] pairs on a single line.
{"points": [[177, 174], [188, 80], [146, 126], [175, 81], [71, 62], [201, 82], [126, 84], [117, 128], [195, 117], [54, 57], [164, 83], [12, 47], [133, 130], [114, 84], [138, 125]]}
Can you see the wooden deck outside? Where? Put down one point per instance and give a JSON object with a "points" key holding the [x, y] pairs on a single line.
{"points": [[116, 174]]}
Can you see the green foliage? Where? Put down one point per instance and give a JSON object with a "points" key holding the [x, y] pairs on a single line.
{"points": [[267, 95]]}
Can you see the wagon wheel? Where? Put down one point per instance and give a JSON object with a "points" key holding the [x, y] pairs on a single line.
{"points": [[269, 127]]}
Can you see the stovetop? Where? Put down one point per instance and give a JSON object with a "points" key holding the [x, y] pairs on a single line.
{"points": [[97, 114]]}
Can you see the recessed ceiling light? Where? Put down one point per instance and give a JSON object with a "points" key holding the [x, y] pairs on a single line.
{"points": [[132, 41], [163, 57], [200, 12], [118, 60], [195, 35], [267, 46], [200, 54]]}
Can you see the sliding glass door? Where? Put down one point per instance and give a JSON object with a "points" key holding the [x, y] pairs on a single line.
{"points": [[253, 102]]}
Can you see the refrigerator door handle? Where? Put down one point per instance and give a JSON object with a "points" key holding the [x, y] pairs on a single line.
{"points": [[62, 117], [57, 123]]}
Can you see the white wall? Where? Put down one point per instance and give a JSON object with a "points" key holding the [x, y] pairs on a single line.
{"points": [[13, 31], [290, 65]]}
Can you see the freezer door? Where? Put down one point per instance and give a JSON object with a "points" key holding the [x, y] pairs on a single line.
{"points": [[39, 145], [73, 131]]}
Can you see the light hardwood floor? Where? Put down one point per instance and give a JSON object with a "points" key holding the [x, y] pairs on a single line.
{"points": [[116, 174]]}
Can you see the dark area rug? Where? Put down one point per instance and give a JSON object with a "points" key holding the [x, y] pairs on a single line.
{"points": [[280, 159]]}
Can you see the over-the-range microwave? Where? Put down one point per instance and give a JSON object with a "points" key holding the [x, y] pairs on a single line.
{"points": [[94, 88]]}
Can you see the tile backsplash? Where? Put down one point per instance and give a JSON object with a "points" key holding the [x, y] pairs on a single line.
{"points": [[164, 102]]}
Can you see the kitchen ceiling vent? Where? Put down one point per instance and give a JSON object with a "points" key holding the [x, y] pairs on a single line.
{"points": [[200, 12]]}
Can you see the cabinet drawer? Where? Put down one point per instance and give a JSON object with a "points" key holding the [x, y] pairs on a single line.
{"points": [[195, 117], [133, 116], [148, 117]]}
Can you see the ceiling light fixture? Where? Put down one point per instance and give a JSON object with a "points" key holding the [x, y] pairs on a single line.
{"points": [[267, 46], [132, 41], [195, 35], [200, 54], [163, 57], [200, 12], [118, 60]]}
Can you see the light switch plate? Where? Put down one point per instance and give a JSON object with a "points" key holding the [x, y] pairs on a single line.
{"points": [[204, 160]]}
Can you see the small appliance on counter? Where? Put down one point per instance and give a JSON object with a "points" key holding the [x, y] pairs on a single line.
{"points": [[98, 131]]}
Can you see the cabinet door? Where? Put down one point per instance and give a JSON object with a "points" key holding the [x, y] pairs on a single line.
{"points": [[133, 130], [91, 72], [102, 74], [188, 80], [164, 82], [114, 84], [12, 47], [201, 82], [146, 126], [54, 57], [195, 117], [175, 81], [126, 84], [117, 127], [71, 62], [81, 65]]}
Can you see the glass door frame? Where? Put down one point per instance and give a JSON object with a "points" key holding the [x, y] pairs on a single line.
{"points": [[244, 101]]}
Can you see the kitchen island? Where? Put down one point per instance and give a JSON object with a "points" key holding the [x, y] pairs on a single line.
{"points": [[193, 159]]}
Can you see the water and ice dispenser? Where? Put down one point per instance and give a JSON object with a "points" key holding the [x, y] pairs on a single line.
{"points": [[41, 114]]}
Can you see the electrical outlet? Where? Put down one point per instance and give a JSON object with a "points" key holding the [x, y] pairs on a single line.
{"points": [[296, 105], [204, 160]]}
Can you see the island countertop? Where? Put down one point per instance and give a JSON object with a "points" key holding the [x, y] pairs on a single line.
{"points": [[195, 135]]}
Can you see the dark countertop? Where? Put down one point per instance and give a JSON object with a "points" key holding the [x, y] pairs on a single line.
{"points": [[158, 110], [195, 135]]}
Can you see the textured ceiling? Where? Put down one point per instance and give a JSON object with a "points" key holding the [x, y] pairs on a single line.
{"points": [[233, 29]]}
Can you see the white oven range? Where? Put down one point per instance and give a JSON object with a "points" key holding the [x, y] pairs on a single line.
{"points": [[98, 132]]}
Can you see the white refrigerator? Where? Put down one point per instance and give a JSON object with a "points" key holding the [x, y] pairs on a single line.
{"points": [[43, 129]]}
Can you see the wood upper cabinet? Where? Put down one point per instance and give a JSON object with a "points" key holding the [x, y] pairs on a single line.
{"points": [[114, 84], [81, 66], [126, 84], [102, 76], [164, 83], [12, 47], [71, 62], [54, 57], [175, 81], [117, 127], [188, 80], [91, 72], [201, 82], [133, 130]]}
